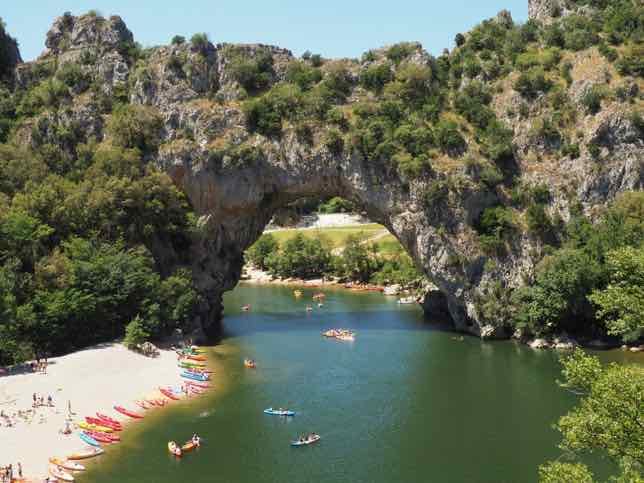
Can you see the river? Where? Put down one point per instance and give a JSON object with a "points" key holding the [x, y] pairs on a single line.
{"points": [[405, 402]]}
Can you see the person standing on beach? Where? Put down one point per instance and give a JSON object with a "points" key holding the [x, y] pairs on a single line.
{"points": [[19, 470]]}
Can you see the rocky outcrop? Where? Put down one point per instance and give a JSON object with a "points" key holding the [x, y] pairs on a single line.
{"points": [[9, 54], [235, 194]]}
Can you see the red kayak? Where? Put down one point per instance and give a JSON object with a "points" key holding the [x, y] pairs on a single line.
{"points": [[104, 437], [127, 412], [203, 385], [169, 393], [197, 358], [100, 437], [115, 425], [105, 420]]}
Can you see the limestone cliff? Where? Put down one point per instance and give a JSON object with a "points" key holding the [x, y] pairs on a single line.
{"points": [[236, 177]]}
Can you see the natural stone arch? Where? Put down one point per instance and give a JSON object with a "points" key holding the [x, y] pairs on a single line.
{"points": [[235, 204]]}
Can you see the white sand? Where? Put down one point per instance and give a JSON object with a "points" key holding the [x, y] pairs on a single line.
{"points": [[93, 380]]}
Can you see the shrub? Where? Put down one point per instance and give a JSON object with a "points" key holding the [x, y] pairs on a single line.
{"points": [[376, 76], [316, 60], [49, 93], [200, 41], [135, 333], [532, 82], [73, 76], [459, 40], [303, 75], [178, 40], [538, 221], [592, 99], [401, 51], [264, 114], [253, 73], [334, 141], [632, 61], [449, 139], [134, 126], [435, 193], [259, 252]]}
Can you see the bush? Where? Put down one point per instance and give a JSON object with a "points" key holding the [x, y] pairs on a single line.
{"points": [[532, 83], [316, 60], [303, 75], [632, 61], [337, 205], [135, 333], [334, 141], [592, 99], [200, 41], [264, 114], [449, 139], [459, 40], [399, 52], [376, 76], [73, 77], [253, 73], [134, 126], [178, 40]]}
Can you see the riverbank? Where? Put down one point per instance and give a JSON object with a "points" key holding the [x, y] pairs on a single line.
{"points": [[93, 379]]}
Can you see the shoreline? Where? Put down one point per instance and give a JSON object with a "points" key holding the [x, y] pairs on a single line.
{"points": [[92, 379]]}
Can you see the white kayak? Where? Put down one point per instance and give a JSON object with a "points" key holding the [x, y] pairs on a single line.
{"points": [[311, 440]]}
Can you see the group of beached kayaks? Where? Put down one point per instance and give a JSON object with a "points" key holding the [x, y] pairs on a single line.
{"points": [[100, 429]]}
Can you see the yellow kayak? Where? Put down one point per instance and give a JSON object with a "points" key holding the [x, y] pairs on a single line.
{"points": [[95, 427]]}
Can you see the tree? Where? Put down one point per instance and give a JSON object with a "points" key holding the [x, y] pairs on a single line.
{"points": [[261, 249], [135, 333], [608, 419], [621, 303], [355, 261]]}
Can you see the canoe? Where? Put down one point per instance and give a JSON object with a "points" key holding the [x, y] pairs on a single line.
{"points": [[60, 474], [174, 449], [85, 454], [197, 357], [312, 440], [116, 426], [188, 446], [107, 421], [96, 436], [127, 412], [104, 437], [67, 465], [168, 393], [202, 385], [277, 412], [142, 404], [89, 440], [196, 377], [95, 427]]}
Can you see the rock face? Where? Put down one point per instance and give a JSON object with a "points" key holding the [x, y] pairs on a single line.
{"points": [[236, 195], [9, 54]]}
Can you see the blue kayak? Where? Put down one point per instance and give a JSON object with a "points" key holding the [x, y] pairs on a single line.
{"points": [[195, 376], [277, 412], [307, 441], [89, 440]]}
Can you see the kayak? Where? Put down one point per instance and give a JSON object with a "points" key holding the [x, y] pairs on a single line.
{"points": [[67, 465], [89, 440], [86, 453], [100, 437], [60, 474], [277, 412], [188, 446], [94, 427], [116, 426], [104, 437], [142, 404], [306, 442], [127, 412], [195, 376], [174, 449], [168, 393], [109, 422], [202, 385], [196, 357]]}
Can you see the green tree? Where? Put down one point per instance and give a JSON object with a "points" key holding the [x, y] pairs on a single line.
{"points": [[621, 302], [261, 250], [135, 333], [609, 418]]}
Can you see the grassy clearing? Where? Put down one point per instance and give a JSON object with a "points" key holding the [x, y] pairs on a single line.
{"points": [[334, 237]]}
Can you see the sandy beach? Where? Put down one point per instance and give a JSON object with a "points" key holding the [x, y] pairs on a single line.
{"points": [[93, 380]]}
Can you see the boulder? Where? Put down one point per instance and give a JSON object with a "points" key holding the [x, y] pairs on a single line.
{"points": [[539, 343]]}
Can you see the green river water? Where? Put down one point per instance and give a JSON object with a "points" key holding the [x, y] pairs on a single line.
{"points": [[405, 402]]}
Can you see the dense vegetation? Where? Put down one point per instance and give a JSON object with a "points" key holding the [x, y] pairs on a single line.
{"points": [[82, 224], [608, 420], [591, 283], [358, 261]]}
